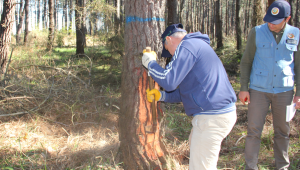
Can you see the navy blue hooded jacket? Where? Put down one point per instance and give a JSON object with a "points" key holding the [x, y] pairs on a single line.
{"points": [[203, 85]]}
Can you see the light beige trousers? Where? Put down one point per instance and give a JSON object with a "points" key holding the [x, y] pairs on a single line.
{"points": [[206, 137]]}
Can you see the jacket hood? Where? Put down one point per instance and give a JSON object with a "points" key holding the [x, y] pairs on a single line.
{"points": [[198, 35]]}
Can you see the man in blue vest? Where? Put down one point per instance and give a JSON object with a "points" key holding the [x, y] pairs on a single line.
{"points": [[270, 64], [196, 77]]}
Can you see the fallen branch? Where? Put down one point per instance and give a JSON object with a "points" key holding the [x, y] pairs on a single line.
{"points": [[13, 114], [14, 98], [59, 69], [239, 139]]}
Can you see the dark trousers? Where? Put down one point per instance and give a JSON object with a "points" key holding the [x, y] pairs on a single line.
{"points": [[257, 112]]}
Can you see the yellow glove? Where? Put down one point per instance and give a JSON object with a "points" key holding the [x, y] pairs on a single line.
{"points": [[153, 94], [147, 57]]}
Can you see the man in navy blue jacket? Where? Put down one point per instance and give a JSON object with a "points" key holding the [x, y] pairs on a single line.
{"points": [[196, 77]]}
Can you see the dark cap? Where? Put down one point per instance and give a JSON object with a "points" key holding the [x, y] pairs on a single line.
{"points": [[277, 11], [169, 31]]}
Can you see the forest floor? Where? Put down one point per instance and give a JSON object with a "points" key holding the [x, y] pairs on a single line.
{"points": [[60, 111]]}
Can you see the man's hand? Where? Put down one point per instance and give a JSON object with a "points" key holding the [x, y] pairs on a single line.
{"points": [[153, 94], [147, 57], [244, 96], [297, 101]]}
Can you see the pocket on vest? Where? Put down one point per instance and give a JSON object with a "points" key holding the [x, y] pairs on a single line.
{"points": [[260, 78], [263, 49]]}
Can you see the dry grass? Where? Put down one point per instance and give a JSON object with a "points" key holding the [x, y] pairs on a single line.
{"points": [[59, 120]]}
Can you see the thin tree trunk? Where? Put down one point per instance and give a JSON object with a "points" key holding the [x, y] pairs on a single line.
{"points": [[182, 2], [83, 26], [80, 34], [6, 27], [212, 25], [198, 16], [38, 14], [70, 15], [232, 27], [187, 25], [205, 17], [65, 26], [218, 26], [51, 25], [258, 13], [140, 149], [192, 16], [172, 11], [208, 17], [297, 24], [238, 27], [56, 2], [20, 25], [292, 16], [26, 22], [17, 13], [116, 17], [45, 14], [247, 18]]}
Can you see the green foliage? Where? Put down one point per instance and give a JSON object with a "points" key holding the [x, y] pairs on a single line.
{"points": [[229, 56], [116, 44]]}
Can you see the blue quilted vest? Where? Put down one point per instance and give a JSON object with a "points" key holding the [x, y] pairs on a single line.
{"points": [[273, 65]]}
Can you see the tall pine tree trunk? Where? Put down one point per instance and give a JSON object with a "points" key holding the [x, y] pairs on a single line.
{"points": [[38, 13], [172, 12], [297, 24], [258, 13], [80, 32], [65, 25], [238, 26], [140, 149], [219, 31], [70, 15], [182, 2], [26, 22], [51, 25], [45, 15], [20, 25], [6, 27]]}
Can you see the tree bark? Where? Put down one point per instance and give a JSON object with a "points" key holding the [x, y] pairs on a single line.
{"points": [[232, 26], [238, 26], [6, 27], [212, 21], [51, 25], [116, 17], [20, 25], [26, 22], [45, 14], [70, 15], [258, 13], [182, 2], [219, 31], [140, 149], [208, 17], [80, 32], [292, 16], [172, 6], [17, 14], [227, 19], [297, 24], [38, 14], [65, 16]]}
